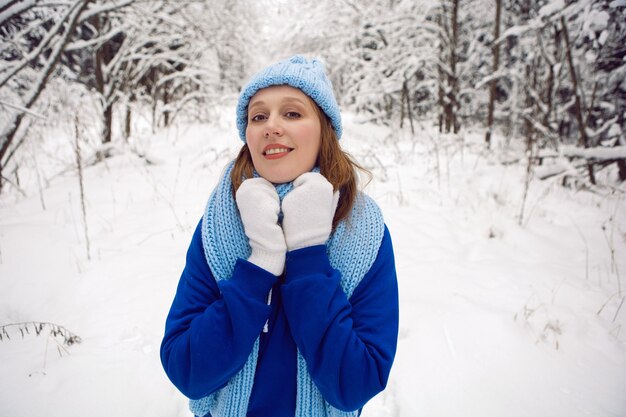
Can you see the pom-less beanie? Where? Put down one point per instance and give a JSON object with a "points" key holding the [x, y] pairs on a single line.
{"points": [[306, 75]]}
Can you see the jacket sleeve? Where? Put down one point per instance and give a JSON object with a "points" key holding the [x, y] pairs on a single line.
{"points": [[348, 345], [211, 328]]}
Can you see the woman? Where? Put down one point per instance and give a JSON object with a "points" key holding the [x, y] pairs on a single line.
{"points": [[288, 303]]}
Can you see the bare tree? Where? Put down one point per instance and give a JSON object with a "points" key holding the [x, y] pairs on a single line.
{"points": [[121, 50], [494, 81], [53, 44], [578, 104], [448, 81], [28, 71]]}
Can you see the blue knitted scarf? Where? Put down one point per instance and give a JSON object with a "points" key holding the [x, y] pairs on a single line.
{"points": [[352, 249]]}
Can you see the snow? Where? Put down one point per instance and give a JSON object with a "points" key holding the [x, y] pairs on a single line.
{"points": [[551, 8], [600, 153], [7, 10], [603, 37], [614, 130], [514, 31], [497, 318], [598, 20]]}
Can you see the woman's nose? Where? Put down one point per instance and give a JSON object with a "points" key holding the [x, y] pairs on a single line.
{"points": [[273, 127]]}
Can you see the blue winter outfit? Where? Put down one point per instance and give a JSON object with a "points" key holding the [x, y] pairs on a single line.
{"points": [[318, 340]]}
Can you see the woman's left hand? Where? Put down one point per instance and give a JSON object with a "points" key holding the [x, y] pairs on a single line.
{"points": [[308, 211]]}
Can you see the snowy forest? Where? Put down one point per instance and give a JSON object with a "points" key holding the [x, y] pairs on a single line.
{"points": [[549, 73], [494, 131]]}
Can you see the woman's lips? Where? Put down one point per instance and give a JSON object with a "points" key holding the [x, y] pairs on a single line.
{"points": [[275, 151]]}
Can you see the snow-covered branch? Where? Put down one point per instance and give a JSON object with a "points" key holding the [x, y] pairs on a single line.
{"points": [[8, 133], [10, 9], [96, 42], [104, 9], [45, 42], [586, 156]]}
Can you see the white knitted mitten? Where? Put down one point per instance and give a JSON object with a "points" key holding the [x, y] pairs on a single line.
{"points": [[308, 211], [259, 206]]}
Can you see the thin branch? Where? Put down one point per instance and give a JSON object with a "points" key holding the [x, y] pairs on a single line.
{"points": [[23, 109]]}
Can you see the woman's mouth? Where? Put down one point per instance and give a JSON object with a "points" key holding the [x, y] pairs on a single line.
{"points": [[275, 152]]}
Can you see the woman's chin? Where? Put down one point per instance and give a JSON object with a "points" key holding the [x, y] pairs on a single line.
{"points": [[280, 177]]}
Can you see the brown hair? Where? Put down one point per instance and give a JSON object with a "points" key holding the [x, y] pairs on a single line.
{"points": [[336, 165]]}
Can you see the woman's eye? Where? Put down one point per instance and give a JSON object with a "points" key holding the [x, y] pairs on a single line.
{"points": [[292, 115], [258, 117]]}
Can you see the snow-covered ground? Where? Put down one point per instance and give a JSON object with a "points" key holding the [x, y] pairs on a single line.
{"points": [[497, 319]]}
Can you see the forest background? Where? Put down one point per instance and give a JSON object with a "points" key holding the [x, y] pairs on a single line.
{"points": [[442, 100], [548, 72]]}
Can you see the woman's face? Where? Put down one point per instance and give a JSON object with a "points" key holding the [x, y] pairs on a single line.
{"points": [[283, 133]]}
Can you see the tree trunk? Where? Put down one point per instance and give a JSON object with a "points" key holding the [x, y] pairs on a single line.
{"points": [[155, 103], [102, 58], [406, 98], [621, 164], [621, 169], [107, 121], [166, 113], [578, 105], [127, 122], [440, 74], [402, 105], [552, 79], [529, 130], [450, 102], [493, 83], [454, 86]]}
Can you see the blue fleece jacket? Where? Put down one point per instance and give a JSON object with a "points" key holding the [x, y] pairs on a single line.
{"points": [[349, 345]]}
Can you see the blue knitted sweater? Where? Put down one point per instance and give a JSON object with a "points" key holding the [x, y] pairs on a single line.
{"points": [[329, 375]]}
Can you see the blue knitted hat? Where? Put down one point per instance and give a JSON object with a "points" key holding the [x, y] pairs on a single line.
{"points": [[297, 72]]}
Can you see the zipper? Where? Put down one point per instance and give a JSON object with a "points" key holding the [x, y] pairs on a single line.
{"points": [[266, 327]]}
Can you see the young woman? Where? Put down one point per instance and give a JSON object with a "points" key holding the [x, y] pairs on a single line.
{"points": [[288, 303]]}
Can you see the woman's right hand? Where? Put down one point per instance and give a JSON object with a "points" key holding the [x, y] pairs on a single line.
{"points": [[309, 210], [259, 206]]}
